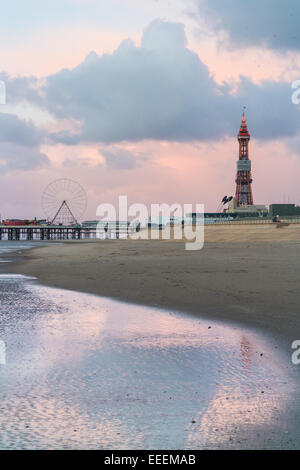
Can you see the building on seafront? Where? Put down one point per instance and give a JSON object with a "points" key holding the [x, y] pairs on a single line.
{"points": [[286, 210], [242, 204], [243, 193]]}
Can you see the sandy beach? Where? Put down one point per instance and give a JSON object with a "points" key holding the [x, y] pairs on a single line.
{"points": [[245, 273]]}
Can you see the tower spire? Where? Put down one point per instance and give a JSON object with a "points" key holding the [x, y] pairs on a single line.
{"points": [[243, 177]]}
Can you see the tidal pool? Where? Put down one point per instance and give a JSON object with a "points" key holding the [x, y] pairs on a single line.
{"points": [[85, 372]]}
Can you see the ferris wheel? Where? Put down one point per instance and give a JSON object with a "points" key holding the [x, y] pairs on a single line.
{"points": [[64, 202]]}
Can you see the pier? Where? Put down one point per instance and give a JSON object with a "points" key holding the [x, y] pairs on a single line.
{"points": [[62, 232], [27, 232]]}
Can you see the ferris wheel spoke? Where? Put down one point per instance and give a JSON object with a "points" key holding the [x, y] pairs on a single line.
{"points": [[64, 200]]}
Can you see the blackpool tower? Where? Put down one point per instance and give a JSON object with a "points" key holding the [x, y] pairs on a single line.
{"points": [[243, 180]]}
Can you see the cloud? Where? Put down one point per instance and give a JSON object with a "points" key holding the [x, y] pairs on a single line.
{"points": [[20, 89], [21, 132], [20, 142], [15, 157], [123, 159], [273, 23], [270, 111], [161, 91]]}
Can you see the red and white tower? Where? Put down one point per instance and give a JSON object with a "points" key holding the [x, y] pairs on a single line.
{"points": [[243, 180]]}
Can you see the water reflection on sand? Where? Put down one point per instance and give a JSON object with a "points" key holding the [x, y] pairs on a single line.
{"points": [[89, 372]]}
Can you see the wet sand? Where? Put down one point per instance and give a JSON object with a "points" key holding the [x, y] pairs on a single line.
{"points": [[247, 274], [79, 369], [244, 274]]}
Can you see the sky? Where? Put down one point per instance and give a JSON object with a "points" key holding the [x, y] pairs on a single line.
{"points": [[144, 98]]}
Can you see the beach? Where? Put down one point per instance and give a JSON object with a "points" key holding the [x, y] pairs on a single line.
{"points": [[243, 283], [245, 273]]}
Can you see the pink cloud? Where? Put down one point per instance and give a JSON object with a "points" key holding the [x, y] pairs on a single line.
{"points": [[175, 172], [48, 51]]}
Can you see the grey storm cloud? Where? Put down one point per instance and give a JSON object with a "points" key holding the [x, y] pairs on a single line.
{"points": [[270, 111], [161, 90], [15, 157], [19, 131], [20, 142], [123, 159], [20, 89], [274, 23], [20, 139]]}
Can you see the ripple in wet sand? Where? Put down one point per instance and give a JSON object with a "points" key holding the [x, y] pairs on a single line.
{"points": [[88, 372]]}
